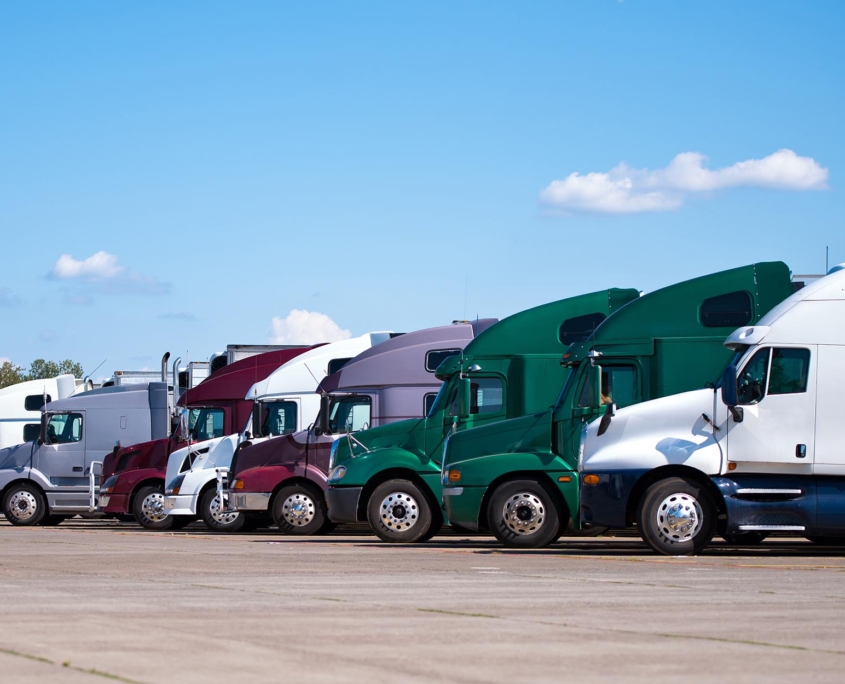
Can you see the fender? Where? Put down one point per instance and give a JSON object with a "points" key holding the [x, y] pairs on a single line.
{"points": [[363, 468]]}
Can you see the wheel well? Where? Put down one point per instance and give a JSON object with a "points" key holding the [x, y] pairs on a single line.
{"points": [[21, 480], [391, 474], [538, 475], [663, 473], [305, 482], [149, 482]]}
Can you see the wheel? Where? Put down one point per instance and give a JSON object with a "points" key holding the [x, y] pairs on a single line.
{"points": [[677, 517], [399, 512], [24, 505], [180, 522], [148, 507], [827, 541], [53, 520], [216, 519], [297, 509], [522, 514], [745, 538]]}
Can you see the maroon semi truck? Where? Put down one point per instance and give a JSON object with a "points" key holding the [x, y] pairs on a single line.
{"points": [[133, 476]]}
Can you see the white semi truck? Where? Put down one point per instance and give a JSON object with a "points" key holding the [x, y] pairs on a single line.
{"points": [[21, 404], [763, 452], [287, 398]]}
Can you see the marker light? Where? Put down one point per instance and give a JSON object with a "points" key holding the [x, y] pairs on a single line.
{"points": [[591, 479], [564, 478], [238, 484], [731, 466], [454, 475]]}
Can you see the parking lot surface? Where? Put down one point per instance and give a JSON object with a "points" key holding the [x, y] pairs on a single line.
{"points": [[90, 600]]}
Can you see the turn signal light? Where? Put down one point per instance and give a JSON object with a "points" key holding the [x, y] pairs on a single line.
{"points": [[591, 479], [454, 476], [731, 466], [564, 478], [238, 484]]}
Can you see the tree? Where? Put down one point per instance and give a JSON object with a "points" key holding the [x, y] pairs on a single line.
{"points": [[10, 374]]}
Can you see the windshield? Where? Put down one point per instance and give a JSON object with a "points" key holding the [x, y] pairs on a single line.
{"points": [[444, 397]]}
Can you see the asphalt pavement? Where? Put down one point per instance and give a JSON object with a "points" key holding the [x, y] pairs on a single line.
{"points": [[91, 600]]}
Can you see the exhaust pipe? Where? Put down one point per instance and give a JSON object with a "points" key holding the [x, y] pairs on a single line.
{"points": [[164, 360], [176, 392]]}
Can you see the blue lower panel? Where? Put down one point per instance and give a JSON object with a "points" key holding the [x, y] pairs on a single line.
{"points": [[606, 503]]}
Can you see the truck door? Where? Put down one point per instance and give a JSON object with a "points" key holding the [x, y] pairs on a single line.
{"points": [[347, 414], [776, 389], [61, 459]]}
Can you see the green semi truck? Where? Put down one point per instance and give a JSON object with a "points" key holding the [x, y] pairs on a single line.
{"points": [[519, 477], [389, 476]]}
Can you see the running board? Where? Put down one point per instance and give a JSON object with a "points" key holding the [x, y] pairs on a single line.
{"points": [[771, 528]]}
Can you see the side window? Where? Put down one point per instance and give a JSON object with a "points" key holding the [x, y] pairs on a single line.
{"points": [[336, 364], [487, 395], [428, 402], [730, 310], [437, 356], [206, 423], [349, 414], [445, 397], [280, 418], [751, 383], [31, 431], [619, 386], [34, 402], [579, 328], [64, 428], [790, 368]]}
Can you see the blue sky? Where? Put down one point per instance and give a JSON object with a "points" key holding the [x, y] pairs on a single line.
{"points": [[227, 163]]}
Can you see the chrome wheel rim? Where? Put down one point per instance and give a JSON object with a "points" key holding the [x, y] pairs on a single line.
{"points": [[399, 511], [219, 515], [524, 513], [152, 507], [298, 510], [23, 505], [679, 518]]}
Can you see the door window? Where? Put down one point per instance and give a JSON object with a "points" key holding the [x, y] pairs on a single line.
{"points": [[64, 428], [206, 423], [487, 395], [790, 368], [618, 386], [280, 418], [349, 414]]}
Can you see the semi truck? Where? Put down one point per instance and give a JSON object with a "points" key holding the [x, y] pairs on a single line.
{"points": [[391, 382], [21, 404], [50, 479], [390, 475], [134, 474], [763, 452], [283, 402], [518, 478]]}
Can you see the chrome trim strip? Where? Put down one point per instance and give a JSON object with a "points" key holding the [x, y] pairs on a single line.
{"points": [[753, 490], [773, 528]]}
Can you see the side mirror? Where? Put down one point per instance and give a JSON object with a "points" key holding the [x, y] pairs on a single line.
{"points": [[323, 418], [464, 397], [604, 423], [594, 380], [728, 388], [42, 435]]}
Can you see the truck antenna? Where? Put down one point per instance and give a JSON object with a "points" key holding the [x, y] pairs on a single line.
{"points": [[95, 370], [312, 375], [827, 259], [466, 289]]}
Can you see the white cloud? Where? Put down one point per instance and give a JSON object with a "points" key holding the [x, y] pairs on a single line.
{"points": [[103, 272], [624, 190], [306, 327]]}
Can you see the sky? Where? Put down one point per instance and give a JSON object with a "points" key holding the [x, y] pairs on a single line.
{"points": [[182, 176]]}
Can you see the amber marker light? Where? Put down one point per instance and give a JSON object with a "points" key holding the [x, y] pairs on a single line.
{"points": [[731, 466], [454, 476], [591, 479], [238, 484], [564, 478]]}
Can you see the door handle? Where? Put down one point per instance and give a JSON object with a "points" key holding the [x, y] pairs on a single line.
{"points": [[800, 450], [77, 469]]}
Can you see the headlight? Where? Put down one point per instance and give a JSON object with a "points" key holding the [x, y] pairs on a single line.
{"points": [[337, 473], [451, 476], [174, 486], [333, 453], [108, 485]]}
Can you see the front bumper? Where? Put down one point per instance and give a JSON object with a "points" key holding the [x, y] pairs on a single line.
{"points": [[342, 503], [248, 501], [113, 503], [181, 504], [606, 503], [462, 505]]}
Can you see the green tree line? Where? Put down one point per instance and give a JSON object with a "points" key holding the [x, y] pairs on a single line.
{"points": [[10, 374]]}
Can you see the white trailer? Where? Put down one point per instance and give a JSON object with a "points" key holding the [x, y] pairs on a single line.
{"points": [[21, 404], [764, 452]]}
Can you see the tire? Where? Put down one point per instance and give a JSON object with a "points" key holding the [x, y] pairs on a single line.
{"points": [[24, 505], [148, 508], [399, 512], [215, 519], [745, 538], [827, 541], [677, 517], [53, 520], [298, 509], [522, 514]]}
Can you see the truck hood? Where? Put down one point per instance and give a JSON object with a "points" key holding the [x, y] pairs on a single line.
{"points": [[17, 456], [214, 453], [525, 433], [152, 454], [407, 434], [280, 450], [666, 431]]}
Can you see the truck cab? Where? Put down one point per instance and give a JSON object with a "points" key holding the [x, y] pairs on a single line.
{"points": [[50, 479], [392, 382], [760, 453], [519, 479], [21, 405], [133, 475], [392, 480], [281, 403]]}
